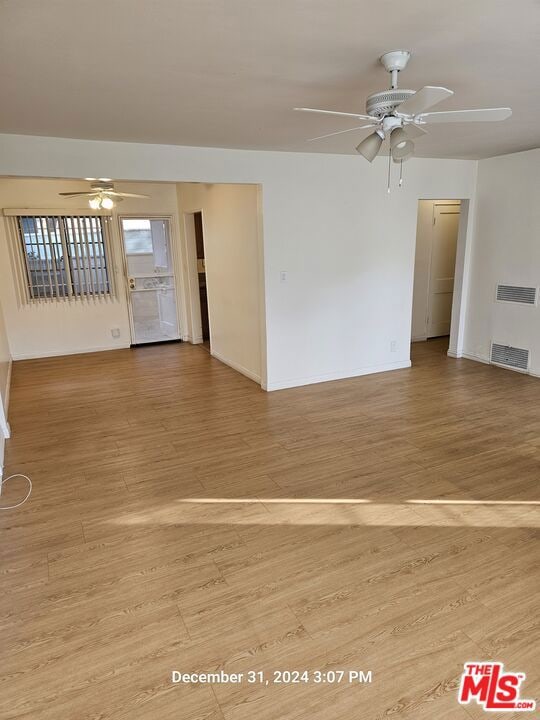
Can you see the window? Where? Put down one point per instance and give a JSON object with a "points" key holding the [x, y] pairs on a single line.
{"points": [[137, 236], [62, 256]]}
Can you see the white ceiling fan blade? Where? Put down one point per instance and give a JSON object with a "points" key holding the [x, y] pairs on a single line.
{"points": [[423, 99], [78, 194], [335, 112], [480, 115], [413, 131], [340, 132], [124, 194]]}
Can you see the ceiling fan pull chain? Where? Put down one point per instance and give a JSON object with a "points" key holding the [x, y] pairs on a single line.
{"points": [[389, 168], [401, 173]]}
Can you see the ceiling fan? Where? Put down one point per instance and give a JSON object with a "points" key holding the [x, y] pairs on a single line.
{"points": [[102, 194], [400, 115]]}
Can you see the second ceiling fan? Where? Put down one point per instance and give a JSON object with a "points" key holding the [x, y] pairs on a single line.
{"points": [[400, 115]]}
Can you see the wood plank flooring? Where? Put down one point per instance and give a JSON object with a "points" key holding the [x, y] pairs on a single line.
{"points": [[183, 519]]}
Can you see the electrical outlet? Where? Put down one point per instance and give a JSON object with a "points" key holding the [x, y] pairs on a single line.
{"points": [[115, 332], [283, 276], [393, 346]]}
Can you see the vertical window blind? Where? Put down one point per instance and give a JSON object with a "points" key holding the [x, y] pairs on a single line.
{"points": [[60, 257]]}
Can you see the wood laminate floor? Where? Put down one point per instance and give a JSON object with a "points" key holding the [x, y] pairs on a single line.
{"points": [[183, 519]]}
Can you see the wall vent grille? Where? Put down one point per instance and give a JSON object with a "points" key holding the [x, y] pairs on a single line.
{"points": [[510, 356], [516, 294]]}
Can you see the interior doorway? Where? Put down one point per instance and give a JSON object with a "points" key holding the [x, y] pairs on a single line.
{"points": [[201, 277], [150, 279], [197, 279], [435, 268]]}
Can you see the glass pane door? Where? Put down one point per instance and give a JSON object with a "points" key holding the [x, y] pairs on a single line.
{"points": [[150, 279]]}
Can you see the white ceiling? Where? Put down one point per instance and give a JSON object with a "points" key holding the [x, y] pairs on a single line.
{"points": [[227, 73]]}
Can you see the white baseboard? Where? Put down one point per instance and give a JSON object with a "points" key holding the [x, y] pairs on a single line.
{"points": [[453, 354], [8, 386], [60, 353], [2, 455], [197, 340], [236, 366], [483, 359], [5, 430], [328, 377], [476, 358]]}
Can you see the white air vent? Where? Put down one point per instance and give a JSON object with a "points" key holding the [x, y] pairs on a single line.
{"points": [[516, 294], [509, 356]]}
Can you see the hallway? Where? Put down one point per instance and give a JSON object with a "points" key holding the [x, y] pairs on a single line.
{"points": [[183, 519]]}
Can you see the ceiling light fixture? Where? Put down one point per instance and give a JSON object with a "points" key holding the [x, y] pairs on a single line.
{"points": [[400, 144], [100, 202], [107, 203], [103, 195], [401, 114], [370, 146]]}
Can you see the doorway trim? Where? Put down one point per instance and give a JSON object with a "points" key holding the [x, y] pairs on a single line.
{"points": [[461, 274], [174, 244], [436, 204], [461, 281]]}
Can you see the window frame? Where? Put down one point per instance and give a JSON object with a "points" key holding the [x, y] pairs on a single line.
{"points": [[79, 280]]}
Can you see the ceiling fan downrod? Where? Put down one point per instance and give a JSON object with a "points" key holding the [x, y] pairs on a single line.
{"points": [[394, 62]]}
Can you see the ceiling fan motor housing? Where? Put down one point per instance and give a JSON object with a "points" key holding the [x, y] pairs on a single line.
{"points": [[385, 102], [101, 186]]}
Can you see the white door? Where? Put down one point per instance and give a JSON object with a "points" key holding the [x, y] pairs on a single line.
{"points": [[442, 268], [151, 281]]}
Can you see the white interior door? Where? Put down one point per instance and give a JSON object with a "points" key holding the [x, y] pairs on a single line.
{"points": [[151, 280], [442, 268]]}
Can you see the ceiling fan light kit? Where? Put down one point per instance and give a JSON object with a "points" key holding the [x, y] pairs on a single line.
{"points": [[101, 202], [400, 114], [370, 146], [400, 144]]}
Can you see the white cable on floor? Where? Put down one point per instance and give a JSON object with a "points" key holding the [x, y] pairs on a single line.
{"points": [[2, 482]]}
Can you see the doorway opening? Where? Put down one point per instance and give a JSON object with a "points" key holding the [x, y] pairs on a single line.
{"points": [[197, 282], [201, 278], [223, 303], [438, 272], [151, 282]]}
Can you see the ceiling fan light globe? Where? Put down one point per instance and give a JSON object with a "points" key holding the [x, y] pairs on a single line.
{"points": [[403, 153], [403, 159], [370, 146], [95, 203], [400, 145], [107, 203]]}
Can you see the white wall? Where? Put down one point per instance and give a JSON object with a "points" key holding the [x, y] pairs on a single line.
{"points": [[60, 328], [347, 246], [5, 374], [348, 249], [507, 250], [233, 269]]}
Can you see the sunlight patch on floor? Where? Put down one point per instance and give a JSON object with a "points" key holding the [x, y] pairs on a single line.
{"points": [[339, 511]]}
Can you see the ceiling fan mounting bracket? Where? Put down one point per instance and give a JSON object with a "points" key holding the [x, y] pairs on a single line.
{"points": [[395, 60]]}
